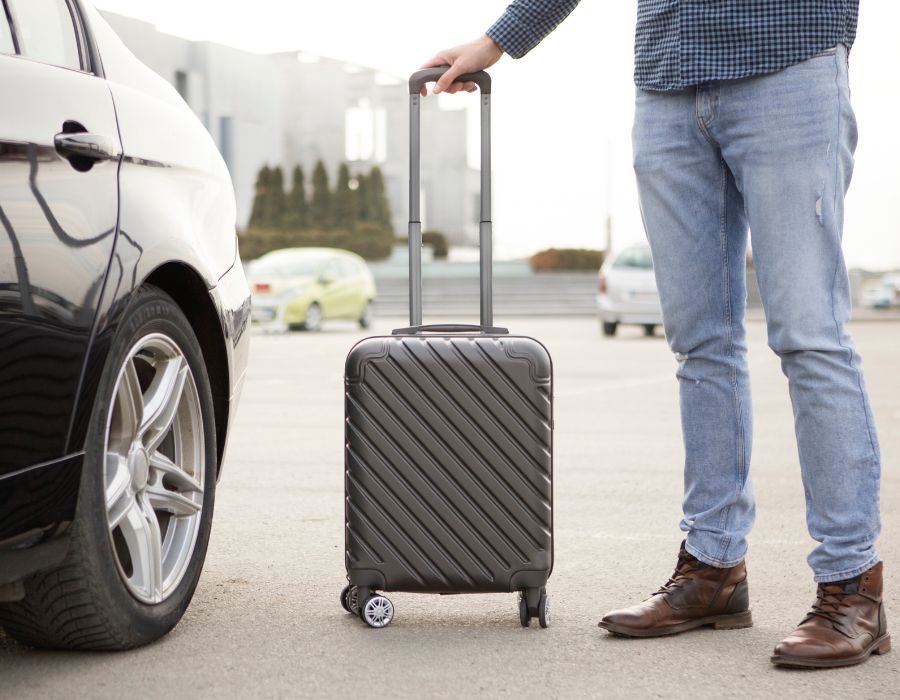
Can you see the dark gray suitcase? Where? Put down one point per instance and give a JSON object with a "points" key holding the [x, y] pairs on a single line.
{"points": [[448, 444]]}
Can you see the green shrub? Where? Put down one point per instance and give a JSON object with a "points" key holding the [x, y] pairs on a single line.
{"points": [[567, 259], [438, 243], [372, 241], [259, 241], [368, 240]]}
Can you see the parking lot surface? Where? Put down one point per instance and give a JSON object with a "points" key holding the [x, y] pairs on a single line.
{"points": [[265, 621]]}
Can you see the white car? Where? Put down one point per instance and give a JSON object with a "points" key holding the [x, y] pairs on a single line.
{"points": [[626, 293], [883, 295]]}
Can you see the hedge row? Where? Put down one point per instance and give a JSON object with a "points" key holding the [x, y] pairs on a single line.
{"points": [[371, 241], [560, 259]]}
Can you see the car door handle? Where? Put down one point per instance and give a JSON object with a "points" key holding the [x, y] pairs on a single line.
{"points": [[86, 145]]}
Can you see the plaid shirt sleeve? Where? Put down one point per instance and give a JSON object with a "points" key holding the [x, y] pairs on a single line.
{"points": [[526, 22]]}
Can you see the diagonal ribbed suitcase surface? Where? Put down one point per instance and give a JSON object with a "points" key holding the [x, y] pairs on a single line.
{"points": [[448, 463]]}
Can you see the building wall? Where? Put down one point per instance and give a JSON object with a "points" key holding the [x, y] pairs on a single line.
{"points": [[295, 108]]}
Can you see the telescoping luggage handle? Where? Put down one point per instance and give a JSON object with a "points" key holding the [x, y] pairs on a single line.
{"points": [[416, 82]]}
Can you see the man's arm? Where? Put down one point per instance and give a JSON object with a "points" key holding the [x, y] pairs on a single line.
{"points": [[526, 22], [522, 27]]}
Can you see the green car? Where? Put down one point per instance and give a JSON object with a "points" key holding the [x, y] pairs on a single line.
{"points": [[298, 288]]}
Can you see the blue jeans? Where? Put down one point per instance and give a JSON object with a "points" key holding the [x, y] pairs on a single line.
{"points": [[773, 154]]}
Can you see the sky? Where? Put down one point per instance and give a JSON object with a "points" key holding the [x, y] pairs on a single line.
{"points": [[562, 114]]}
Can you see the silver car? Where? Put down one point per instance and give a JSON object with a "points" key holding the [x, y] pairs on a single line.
{"points": [[626, 292]]}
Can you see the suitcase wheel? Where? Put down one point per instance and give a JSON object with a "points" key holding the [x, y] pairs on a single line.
{"points": [[350, 599], [544, 611], [534, 602], [524, 615], [377, 611]]}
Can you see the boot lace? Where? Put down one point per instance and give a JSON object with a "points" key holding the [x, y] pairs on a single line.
{"points": [[830, 601], [686, 565]]}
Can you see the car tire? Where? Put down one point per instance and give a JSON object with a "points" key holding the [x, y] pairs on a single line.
{"points": [[649, 330], [365, 318], [312, 320], [89, 601], [610, 328]]}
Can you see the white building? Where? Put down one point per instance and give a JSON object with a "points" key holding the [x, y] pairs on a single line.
{"points": [[296, 108]]}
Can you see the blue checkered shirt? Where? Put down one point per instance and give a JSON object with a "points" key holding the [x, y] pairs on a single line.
{"points": [[687, 42]]}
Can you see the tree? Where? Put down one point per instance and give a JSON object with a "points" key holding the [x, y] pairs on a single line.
{"points": [[258, 213], [344, 205], [297, 209], [357, 220], [320, 206], [362, 197], [269, 201], [276, 200], [378, 210]]}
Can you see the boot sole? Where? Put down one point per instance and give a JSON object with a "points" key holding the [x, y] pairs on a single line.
{"points": [[880, 646], [734, 621]]}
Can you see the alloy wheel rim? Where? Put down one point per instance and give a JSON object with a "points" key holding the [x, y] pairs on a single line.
{"points": [[154, 468], [313, 317], [379, 611]]}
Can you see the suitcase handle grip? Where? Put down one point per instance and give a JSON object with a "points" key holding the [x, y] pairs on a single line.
{"points": [[485, 226], [430, 75], [451, 328]]}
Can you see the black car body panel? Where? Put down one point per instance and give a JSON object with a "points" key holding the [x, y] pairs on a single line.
{"points": [[75, 245], [36, 507], [59, 226]]}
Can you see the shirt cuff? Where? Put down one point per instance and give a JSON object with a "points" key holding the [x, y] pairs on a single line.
{"points": [[526, 22], [512, 36]]}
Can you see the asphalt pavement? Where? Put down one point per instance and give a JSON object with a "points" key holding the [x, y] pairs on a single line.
{"points": [[265, 621]]}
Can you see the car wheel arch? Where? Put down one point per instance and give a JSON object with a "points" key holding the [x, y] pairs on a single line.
{"points": [[187, 288]]}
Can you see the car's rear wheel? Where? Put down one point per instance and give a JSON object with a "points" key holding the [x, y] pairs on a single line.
{"points": [[145, 503], [609, 329], [365, 319], [312, 321], [649, 330]]}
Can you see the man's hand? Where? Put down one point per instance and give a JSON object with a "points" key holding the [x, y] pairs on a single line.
{"points": [[466, 58]]}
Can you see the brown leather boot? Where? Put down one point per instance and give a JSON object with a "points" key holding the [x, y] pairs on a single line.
{"points": [[696, 595], [845, 626]]}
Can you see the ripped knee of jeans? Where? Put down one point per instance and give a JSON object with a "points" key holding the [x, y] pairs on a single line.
{"points": [[819, 195], [682, 372]]}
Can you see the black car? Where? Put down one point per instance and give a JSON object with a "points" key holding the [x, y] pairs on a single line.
{"points": [[123, 334]]}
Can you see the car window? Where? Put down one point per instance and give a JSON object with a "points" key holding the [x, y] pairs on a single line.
{"points": [[46, 31], [305, 267], [6, 40], [333, 270], [349, 268], [634, 259], [288, 264]]}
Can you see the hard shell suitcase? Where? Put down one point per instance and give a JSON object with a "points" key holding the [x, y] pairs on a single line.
{"points": [[448, 443]]}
